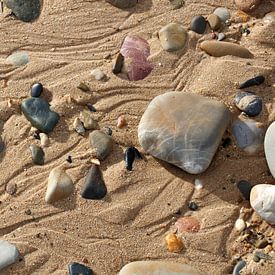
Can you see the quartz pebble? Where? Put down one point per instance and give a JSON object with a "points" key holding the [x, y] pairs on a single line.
{"points": [[44, 139], [269, 147], [157, 268], [187, 135], [173, 243], [98, 74], [94, 187], [78, 126], [198, 184], [18, 59], [214, 22], [198, 24], [36, 90], [8, 254], [249, 103], [37, 154], [60, 185], [79, 269], [88, 122], [220, 48], [247, 5], [262, 200], [123, 4], [187, 224], [240, 225], [172, 37], [222, 13]]}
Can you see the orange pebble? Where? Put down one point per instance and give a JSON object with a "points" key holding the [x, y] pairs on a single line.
{"points": [[173, 243], [121, 122]]}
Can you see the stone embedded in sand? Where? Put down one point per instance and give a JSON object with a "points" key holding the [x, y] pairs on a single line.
{"points": [[25, 10], [269, 147], [79, 269], [60, 185], [98, 74], [247, 5], [8, 254], [11, 188], [187, 224], [249, 134], [173, 243], [78, 126], [214, 21], [121, 122], [262, 200], [172, 37], [102, 143], [257, 80], [198, 24], [238, 267], [183, 129], [218, 48], [18, 59], [157, 267], [223, 13], [123, 4], [94, 187], [38, 112], [37, 154], [88, 122]]}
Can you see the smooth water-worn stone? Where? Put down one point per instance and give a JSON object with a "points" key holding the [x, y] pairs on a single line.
{"points": [[240, 225], [219, 48], [249, 103], [88, 122], [44, 139], [36, 90], [214, 21], [158, 267], [8, 254], [18, 59], [245, 188], [269, 148], [123, 4], [37, 154], [247, 5], [102, 142], [38, 112], [79, 269], [187, 224], [249, 135], [183, 129], [221, 36], [25, 10], [257, 80], [94, 187], [60, 185], [172, 37], [223, 13], [262, 200], [198, 24]]}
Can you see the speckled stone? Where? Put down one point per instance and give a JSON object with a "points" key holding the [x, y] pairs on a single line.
{"points": [[269, 147], [8, 254], [223, 13], [123, 4], [172, 37], [214, 21], [247, 5], [198, 24]]}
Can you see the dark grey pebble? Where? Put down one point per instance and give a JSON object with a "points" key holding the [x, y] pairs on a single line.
{"points": [[91, 107], [253, 81], [69, 159], [192, 206], [198, 24], [94, 187], [79, 269], [123, 4], [36, 90], [37, 154], [249, 103], [118, 64], [245, 188], [238, 267], [38, 112], [25, 10], [226, 142], [130, 154], [2, 145], [109, 131], [262, 255]]}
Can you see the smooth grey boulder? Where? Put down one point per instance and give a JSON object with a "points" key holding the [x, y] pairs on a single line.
{"points": [[8, 254], [269, 148]]}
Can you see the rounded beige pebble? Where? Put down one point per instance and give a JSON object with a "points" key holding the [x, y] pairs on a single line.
{"points": [[45, 141], [240, 225]]}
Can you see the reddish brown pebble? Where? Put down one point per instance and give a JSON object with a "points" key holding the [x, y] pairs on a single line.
{"points": [[121, 122], [11, 188], [85, 261], [187, 224], [173, 243]]}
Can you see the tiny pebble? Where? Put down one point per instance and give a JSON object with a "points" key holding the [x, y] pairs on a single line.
{"points": [[98, 74], [36, 90], [37, 154], [198, 24], [108, 131], [173, 243], [45, 142], [261, 243], [257, 80], [198, 184], [11, 188], [240, 225], [78, 126], [69, 159], [221, 36], [192, 206], [118, 64], [91, 107], [245, 188], [28, 212], [121, 122], [83, 87]]}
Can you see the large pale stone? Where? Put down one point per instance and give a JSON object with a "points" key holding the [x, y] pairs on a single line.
{"points": [[183, 129], [262, 200], [269, 147], [8, 254], [157, 268]]}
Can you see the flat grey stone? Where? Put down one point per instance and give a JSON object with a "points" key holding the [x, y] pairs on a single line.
{"points": [[183, 129], [18, 59], [8, 254]]}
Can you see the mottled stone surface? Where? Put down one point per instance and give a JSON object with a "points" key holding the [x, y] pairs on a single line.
{"points": [[183, 129], [269, 147], [8, 254]]}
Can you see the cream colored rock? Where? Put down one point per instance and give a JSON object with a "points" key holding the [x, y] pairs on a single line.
{"points": [[158, 268], [262, 200], [269, 147], [44, 139], [60, 185], [240, 225]]}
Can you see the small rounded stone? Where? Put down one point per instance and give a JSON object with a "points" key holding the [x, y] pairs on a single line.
{"points": [[173, 243], [247, 5], [187, 224], [121, 122], [249, 103], [36, 90], [198, 24], [11, 188], [240, 225], [192, 206], [123, 4], [221, 36], [269, 148], [37, 154], [223, 13], [214, 22]]}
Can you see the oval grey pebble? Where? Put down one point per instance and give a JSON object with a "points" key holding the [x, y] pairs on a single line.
{"points": [[198, 24], [18, 59], [238, 267], [37, 154], [221, 36], [223, 13]]}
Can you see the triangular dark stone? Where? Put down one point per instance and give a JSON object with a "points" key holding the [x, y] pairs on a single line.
{"points": [[79, 269], [94, 187]]}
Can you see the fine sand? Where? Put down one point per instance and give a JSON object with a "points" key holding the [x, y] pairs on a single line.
{"points": [[71, 38]]}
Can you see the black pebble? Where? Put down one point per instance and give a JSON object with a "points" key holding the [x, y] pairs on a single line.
{"points": [[94, 187], [192, 206], [130, 154], [245, 188], [69, 159], [79, 269], [226, 142], [198, 24], [91, 107], [253, 81], [118, 64], [36, 135], [37, 90]]}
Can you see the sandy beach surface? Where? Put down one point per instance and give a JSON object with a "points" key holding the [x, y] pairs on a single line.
{"points": [[67, 41]]}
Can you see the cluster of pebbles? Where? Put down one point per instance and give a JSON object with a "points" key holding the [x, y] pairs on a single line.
{"points": [[170, 136]]}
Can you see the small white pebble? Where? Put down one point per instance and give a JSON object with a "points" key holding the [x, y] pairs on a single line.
{"points": [[98, 74], [198, 184], [45, 142], [240, 225]]}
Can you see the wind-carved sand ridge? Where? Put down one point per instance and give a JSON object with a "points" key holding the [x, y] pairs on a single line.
{"points": [[67, 41]]}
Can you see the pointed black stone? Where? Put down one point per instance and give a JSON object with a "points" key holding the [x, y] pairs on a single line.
{"points": [[253, 81], [79, 269], [94, 187], [245, 188], [38, 112]]}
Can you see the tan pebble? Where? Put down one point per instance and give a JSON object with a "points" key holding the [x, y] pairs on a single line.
{"points": [[83, 87], [268, 249], [240, 225], [78, 126], [11, 188], [173, 243], [87, 120], [45, 141], [95, 161], [33, 131], [121, 122]]}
